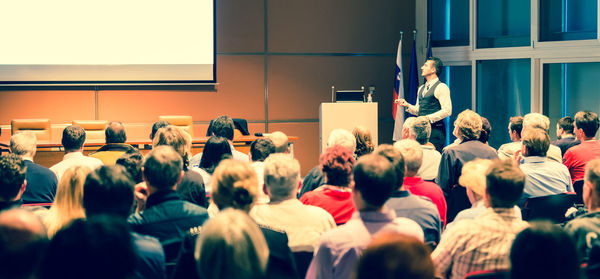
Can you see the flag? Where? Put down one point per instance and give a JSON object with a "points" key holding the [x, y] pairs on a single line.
{"points": [[413, 79], [429, 54], [398, 93]]}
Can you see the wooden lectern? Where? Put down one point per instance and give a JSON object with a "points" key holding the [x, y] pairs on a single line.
{"points": [[347, 116]]}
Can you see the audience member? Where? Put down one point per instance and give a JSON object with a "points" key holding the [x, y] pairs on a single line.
{"points": [[484, 242], [413, 158], [23, 242], [73, 138], [406, 126], [540, 121], [315, 177], [280, 140], [364, 141], [544, 177], [543, 250], [41, 182], [132, 162], [565, 136], [68, 204], [260, 149], [157, 125], [335, 196], [467, 127], [405, 204], [109, 190], [231, 246], [393, 255], [486, 130], [12, 180], [586, 126], [507, 150], [96, 248], [166, 216], [222, 126], [216, 149], [115, 144], [420, 130], [375, 180]]}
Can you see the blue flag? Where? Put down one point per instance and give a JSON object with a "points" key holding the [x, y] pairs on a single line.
{"points": [[413, 79]]}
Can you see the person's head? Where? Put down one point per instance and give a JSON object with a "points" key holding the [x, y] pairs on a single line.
{"points": [[73, 138], [433, 66], [216, 149], [394, 255], [163, 168], [23, 241], [157, 125], [468, 125], [515, 125], [394, 155], [412, 154], [342, 137], [261, 148], [132, 162], [504, 184], [586, 124], [115, 132], [23, 144], [231, 246], [69, 192], [177, 138], [337, 163], [99, 247], [12, 177], [234, 184], [364, 141], [591, 186], [280, 140], [559, 260], [486, 130], [108, 190], [420, 130], [407, 126], [375, 180], [564, 126], [281, 176], [223, 126], [473, 178], [536, 120], [535, 142]]}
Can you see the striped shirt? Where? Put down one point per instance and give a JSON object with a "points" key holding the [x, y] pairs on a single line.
{"points": [[482, 243]]}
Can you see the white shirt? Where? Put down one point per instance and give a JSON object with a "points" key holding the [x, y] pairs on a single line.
{"points": [[259, 168], [431, 163], [442, 93], [74, 159]]}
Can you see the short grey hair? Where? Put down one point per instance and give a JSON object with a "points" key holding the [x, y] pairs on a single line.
{"points": [[280, 140], [412, 152], [408, 122], [342, 137], [281, 175], [420, 130], [536, 120], [23, 143]]}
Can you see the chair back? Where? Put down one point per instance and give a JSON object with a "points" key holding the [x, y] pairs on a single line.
{"points": [[303, 260], [94, 129], [182, 121], [40, 127], [578, 187], [488, 274], [552, 207], [240, 128]]}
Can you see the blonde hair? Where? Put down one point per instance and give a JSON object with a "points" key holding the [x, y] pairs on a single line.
{"points": [[68, 203], [231, 246], [364, 141], [280, 140], [281, 175], [469, 125], [411, 152], [177, 138], [234, 184], [473, 176]]}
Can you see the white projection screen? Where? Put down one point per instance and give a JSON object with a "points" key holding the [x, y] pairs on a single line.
{"points": [[107, 42]]}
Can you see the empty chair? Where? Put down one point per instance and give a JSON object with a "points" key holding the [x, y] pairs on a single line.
{"points": [[578, 188], [183, 121], [41, 127], [94, 129], [552, 207]]}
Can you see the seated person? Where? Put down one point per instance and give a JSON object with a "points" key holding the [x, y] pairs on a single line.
{"points": [[115, 144]]}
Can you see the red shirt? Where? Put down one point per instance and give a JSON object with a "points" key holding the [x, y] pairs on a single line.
{"points": [[577, 157], [417, 186], [335, 200]]}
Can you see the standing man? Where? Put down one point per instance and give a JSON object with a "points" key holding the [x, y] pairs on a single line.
{"points": [[433, 101]]}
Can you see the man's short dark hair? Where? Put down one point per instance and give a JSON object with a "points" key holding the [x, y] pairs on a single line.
{"points": [[437, 64], [108, 190], [395, 157], [588, 122], [132, 162], [504, 183], [223, 126], [261, 148], [157, 125], [12, 176], [516, 124], [536, 141], [73, 137], [566, 123], [115, 132], [162, 167], [375, 178]]}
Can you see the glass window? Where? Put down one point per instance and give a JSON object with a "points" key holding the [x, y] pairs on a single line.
{"points": [[458, 79], [448, 21], [569, 88], [504, 23], [562, 20], [503, 90]]}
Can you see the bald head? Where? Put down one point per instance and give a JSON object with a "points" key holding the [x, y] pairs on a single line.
{"points": [[115, 132], [280, 140]]}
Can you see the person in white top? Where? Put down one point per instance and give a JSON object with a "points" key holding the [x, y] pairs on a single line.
{"points": [[72, 140], [260, 149]]}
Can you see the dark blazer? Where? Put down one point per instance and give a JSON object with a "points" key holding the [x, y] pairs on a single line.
{"points": [[566, 143], [41, 184]]}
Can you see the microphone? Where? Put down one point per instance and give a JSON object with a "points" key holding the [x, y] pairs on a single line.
{"points": [[262, 134]]}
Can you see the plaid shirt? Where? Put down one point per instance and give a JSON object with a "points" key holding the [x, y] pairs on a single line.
{"points": [[482, 243]]}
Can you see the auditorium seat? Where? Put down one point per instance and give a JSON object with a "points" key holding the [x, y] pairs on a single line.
{"points": [[40, 127], [488, 274], [552, 207], [183, 121], [94, 129]]}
